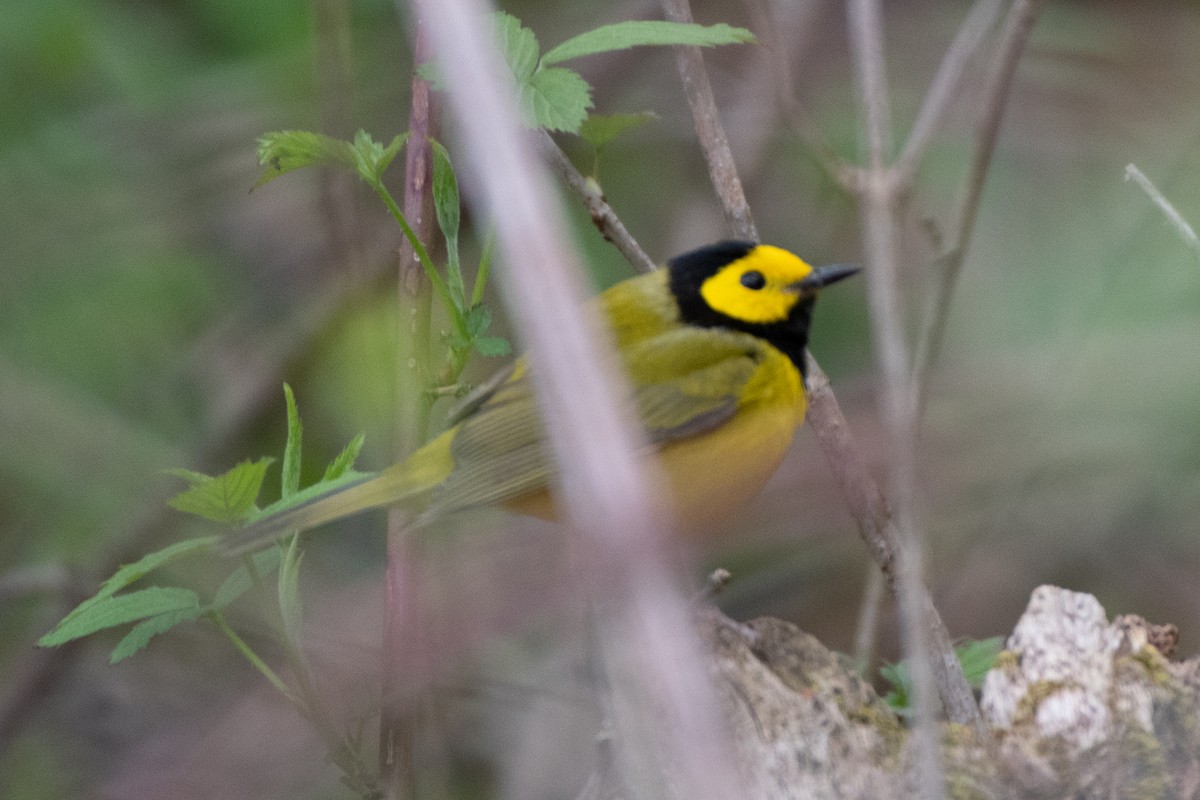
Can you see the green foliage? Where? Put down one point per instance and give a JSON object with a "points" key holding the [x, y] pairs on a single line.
{"points": [[100, 614], [280, 152], [558, 99], [284, 151], [976, 658], [228, 497], [639, 33]]}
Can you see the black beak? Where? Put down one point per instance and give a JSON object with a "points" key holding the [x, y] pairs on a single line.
{"points": [[826, 275]]}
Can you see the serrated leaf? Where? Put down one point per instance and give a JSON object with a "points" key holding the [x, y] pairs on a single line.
{"points": [[599, 130], [517, 43], [493, 346], [239, 581], [556, 99], [144, 631], [638, 33], [478, 319], [345, 459], [291, 450], [226, 498], [370, 158], [284, 151], [109, 612]]}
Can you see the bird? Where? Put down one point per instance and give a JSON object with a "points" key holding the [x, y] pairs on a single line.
{"points": [[713, 347]]}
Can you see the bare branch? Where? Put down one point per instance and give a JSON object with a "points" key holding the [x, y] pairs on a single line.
{"points": [[604, 486], [945, 85], [794, 112], [878, 211], [711, 132], [1013, 38], [602, 214]]}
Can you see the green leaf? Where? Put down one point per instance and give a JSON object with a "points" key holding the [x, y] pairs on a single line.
{"points": [[478, 320], [226, 498], [239, 581], [284, 151], [599, 130], [492, 346], [898, 676], [129, 573], [556, 99], [517, 43], [144, 631], [977, 657], [345, 459], [370, 158], [291, 450], [637, 33], [109, 612], [446, 204]]}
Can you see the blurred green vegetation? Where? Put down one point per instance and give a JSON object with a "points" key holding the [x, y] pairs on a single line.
{"points": [[150, 308]]}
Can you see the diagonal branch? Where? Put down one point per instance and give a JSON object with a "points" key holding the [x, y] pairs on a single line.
{"points": [[945, 85], [602, 214], [1013, 39], [711, 132]]}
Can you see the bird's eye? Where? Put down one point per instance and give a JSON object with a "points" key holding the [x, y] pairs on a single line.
{"points": [[753, 279]]}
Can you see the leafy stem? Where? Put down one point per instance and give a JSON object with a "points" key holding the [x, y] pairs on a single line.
{"points": [[218, 619]]}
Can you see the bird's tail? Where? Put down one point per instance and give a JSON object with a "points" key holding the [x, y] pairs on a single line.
{"points": [[386, 488]]}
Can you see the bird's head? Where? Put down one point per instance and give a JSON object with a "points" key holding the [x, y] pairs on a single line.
{"points": [[756, 288]]}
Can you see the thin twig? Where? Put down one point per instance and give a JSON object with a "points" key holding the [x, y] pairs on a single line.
{"points": [[1013, 39], [605, 488], [711, 132], [1173, 216], [878, 211], [795, 113], [945, 85], [602, 214]]}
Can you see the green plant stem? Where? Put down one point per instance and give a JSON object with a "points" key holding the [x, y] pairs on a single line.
{"points": [[439, 285], [218, 619]]}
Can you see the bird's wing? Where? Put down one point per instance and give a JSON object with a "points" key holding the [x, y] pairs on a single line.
{"points": [[689, 380]]}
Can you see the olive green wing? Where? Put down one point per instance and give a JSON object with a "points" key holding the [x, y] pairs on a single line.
{"points": [[690, 380]]}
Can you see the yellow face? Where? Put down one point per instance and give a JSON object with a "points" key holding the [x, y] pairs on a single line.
{"points": [[758, 288]]}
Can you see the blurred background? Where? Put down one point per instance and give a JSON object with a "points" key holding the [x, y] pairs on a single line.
{"points": [[151, 306]]}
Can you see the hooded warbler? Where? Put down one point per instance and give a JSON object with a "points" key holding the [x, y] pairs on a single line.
{"points": [[713, 347]]}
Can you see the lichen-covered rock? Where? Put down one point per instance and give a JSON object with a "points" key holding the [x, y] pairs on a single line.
{"points": [[1077, 707], [1086, 708], [805, 725]]}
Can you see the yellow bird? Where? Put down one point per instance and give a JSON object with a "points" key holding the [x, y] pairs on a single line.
{"points": [[713, 347]]}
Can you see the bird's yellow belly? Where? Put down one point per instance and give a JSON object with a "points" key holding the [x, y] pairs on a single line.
{"points": [[713, 474]]}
